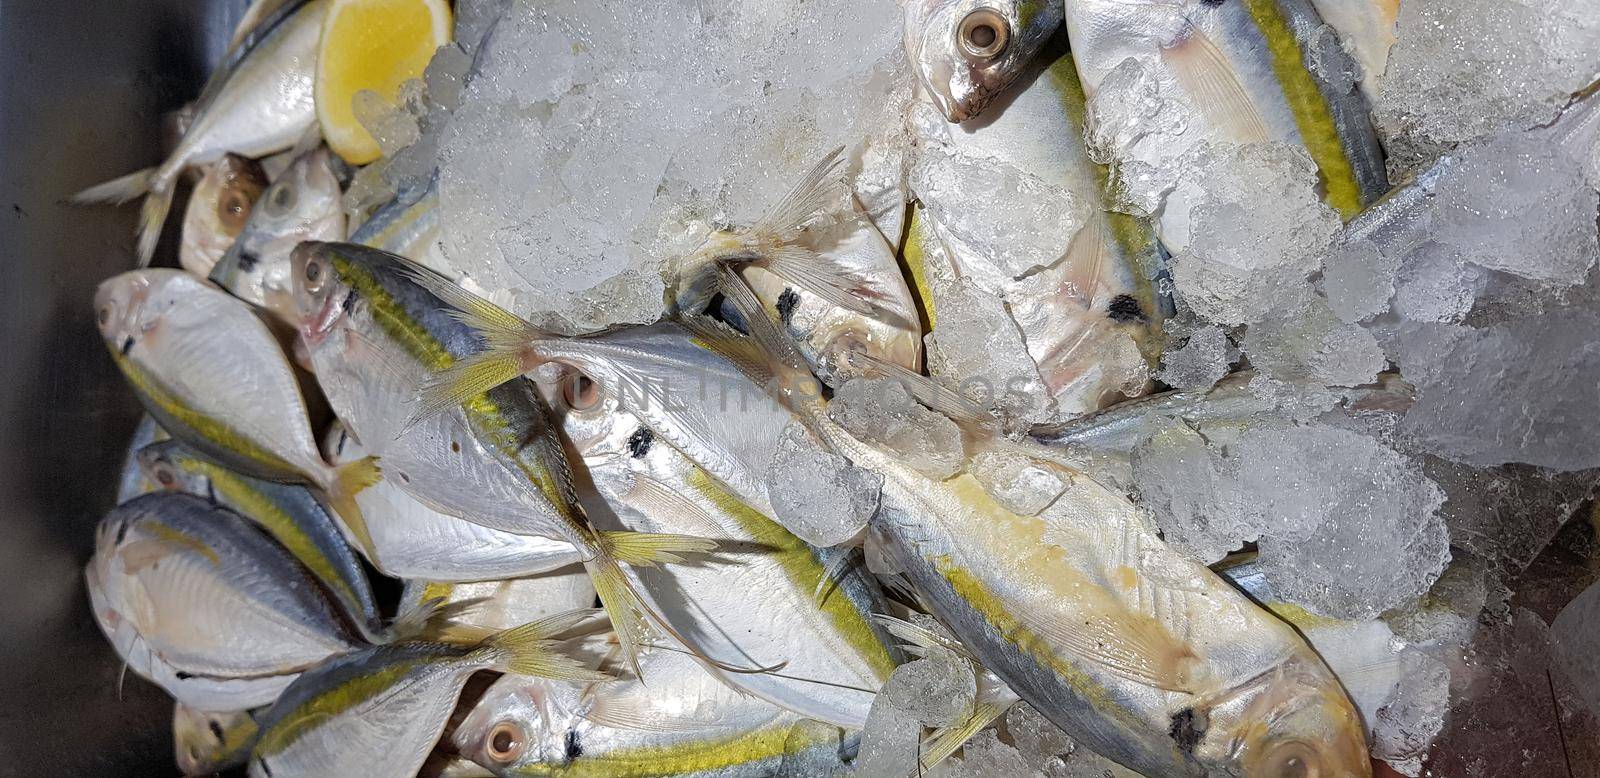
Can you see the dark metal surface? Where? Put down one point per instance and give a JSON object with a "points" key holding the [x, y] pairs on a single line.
{"points": [[83, 87]]}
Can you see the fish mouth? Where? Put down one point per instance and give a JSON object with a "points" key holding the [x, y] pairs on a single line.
{"points": [[127, 345], [321, 323]]}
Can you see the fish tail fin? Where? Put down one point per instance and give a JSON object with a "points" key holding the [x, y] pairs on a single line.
{"points": [[648, 549], [158, 200], [504, 356], [118, 190], [531, 649], [348, 480]]}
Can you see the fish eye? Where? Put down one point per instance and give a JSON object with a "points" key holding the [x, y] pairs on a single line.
{"points": [[282, 198], [505, 742], [164, 476], [580, 392], [313, 275], [233, 209], [983, 34], [104, 315], [1292, 759]]}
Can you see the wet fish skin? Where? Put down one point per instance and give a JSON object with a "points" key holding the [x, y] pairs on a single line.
{"points": [[498, 605], [257, 103], [218, 209], [208, 593], [133, 482], [301, 204], [288, 512], [380, 711], [686, 723], [965, 68]]}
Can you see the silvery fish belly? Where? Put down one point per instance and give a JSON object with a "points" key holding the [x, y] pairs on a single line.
{"points": [[1234, 72], [301, 204], [290, 513], [764, 599], [414, 541], [209, 594], [1078, 280], [1146, 657], [498, 605], [684, 723]]}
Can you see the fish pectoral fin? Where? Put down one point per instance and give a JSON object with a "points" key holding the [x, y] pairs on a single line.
{"points": [[1213, 87], [921, 637], [808, 197], [1135, 647], [651, 496], [628, 713], [531, 649], [812, 272], [648, 549]]}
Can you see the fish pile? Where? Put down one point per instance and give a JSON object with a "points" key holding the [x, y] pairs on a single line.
{"points": [[876, 388]]}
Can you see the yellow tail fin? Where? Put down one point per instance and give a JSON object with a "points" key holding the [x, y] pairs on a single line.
{"points": [[531, 650], [348, 481], [648, 549]]}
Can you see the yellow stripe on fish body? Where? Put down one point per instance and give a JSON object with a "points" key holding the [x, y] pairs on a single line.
{"points": [[177, 537], [213, 430], [804, 570], [484, 414], [919, 240], [1311, 114], [261, 508], [331, 703], [682, 759]]}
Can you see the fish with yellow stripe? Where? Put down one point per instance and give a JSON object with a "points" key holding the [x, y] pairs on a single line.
{"points": [[1248, 71], [766, 597], [288, 512], [686, 724], [1145, 656], [1085, 299], [380, 711], [206, 743], [178, 581], [212, 374], [374, 333]]}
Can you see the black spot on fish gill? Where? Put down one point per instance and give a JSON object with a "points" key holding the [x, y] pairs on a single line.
{"points": [[248, 261], [127, 345], [574, 748], [265, 770], [350, 300], [786, 305], [1212, 3], [182, 676], [1125, 308], [216, 730], [122, 532], [1187, 729], [639, 442]]}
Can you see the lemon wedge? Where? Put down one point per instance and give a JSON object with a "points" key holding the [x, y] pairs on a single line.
{"points": [[376, 45]]}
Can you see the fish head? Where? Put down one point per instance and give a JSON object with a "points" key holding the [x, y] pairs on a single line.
{"points": [[590, 411], [131, 307], [302, 204], [204, 742], [174, 468], [519, 725], [320, 297], [966, 52], [218, 210], [1293, 720]]}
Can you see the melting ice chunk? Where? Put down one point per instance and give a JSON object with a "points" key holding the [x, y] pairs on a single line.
{"points": [[817, 495], [882, 411]]}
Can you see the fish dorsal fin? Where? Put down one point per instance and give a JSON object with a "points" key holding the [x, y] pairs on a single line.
{"points": [[1212, 86]]}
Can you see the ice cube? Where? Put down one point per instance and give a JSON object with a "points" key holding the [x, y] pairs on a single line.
{"points": [[1304, 342], [1515, 392], [1190, 488], [1023, 485], [984, 756], [1200, 361], [977, 345], [1256, 230], [1040, 742], [937, 690], [1407, 724], [1447, 615], [1358, 280], [1140, 128], [1434, 284], [882, 411], [817, 495], [1576, 632]]}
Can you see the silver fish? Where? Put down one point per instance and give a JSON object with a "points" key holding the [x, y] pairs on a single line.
{"points": [[409, 226], [259, 101], [212, 374], [302, 204], [687, 723], [966, 52], [288, 512], [379, 711], [133, 482], [498, 605], [210, 594], [768, 598], [414, 541], [218, 208]]}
